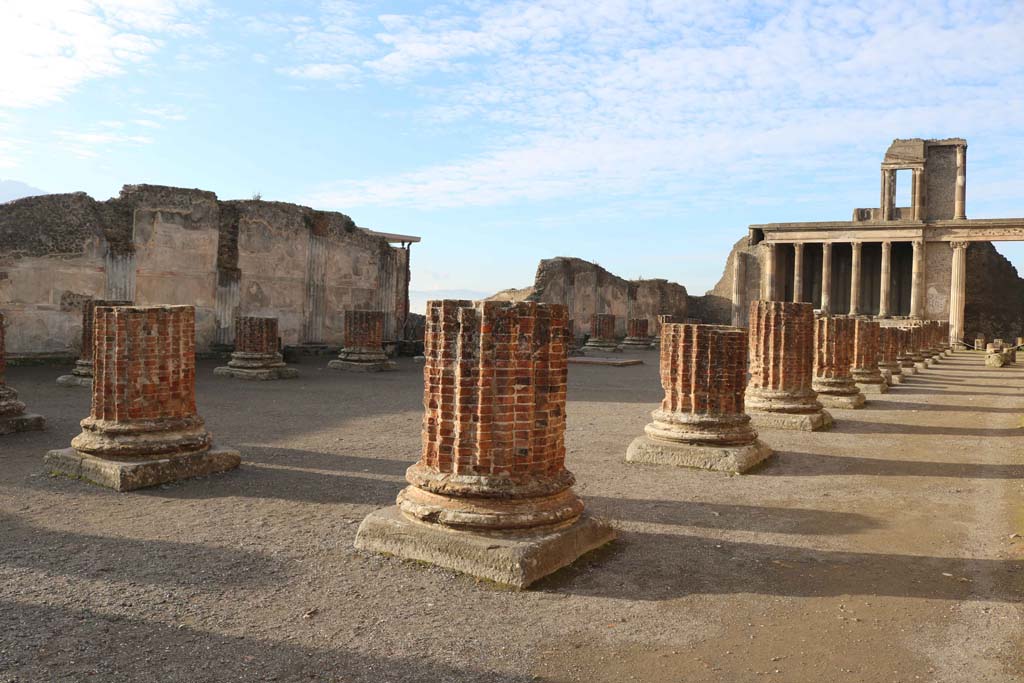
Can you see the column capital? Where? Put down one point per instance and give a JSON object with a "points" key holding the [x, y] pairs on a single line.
{"points": [[959, 245], [887, 244], [917, 243]]}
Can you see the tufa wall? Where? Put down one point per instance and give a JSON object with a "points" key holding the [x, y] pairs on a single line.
{"points": [[586, 289], [159, 245]]}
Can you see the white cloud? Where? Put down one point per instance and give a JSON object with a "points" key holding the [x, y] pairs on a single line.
{"points": [[88, 144], [691, 99], [48, 49], [321, 72]]}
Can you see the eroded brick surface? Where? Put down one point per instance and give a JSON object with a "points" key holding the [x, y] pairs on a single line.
{"points": [[602, 327], [781, 346], [703, 369], [256, 335], [88, 314], [636, 328]]}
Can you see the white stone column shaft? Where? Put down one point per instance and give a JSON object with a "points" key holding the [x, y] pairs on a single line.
{"points": [[855, 278], [798, 272], [960, 201], [826, 277], [883, 287], [917, 282], [958, 292]]}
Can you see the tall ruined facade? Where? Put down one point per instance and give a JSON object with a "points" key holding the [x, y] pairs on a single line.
{"points": [[158, 245]]}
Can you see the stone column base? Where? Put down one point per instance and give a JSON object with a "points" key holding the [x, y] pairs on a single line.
{"points": [[128, 475], [896, 379], [599, 345], [849, 401], [908, 369], [921, 364], [26, 422], [74, 381], [873, 387], [631, 344], [355, 366], [282, 372], [818, 421], [737, 459], [512, 559]]}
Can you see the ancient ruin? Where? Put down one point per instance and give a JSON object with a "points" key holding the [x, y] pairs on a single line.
{"points": [[256, 355], [81, 375], [602, 333], [701, 422], [866, 370], [490, 495], [888, 354], [143, 428], [779, 394], [158, 245], [13, 417], [637, 337], [364, 344]]}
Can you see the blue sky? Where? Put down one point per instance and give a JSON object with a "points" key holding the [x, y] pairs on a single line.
{"points": [[645, 136]]}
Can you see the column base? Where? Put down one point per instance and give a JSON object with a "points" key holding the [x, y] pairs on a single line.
{"points": [[128, 475], [909, 369], [637, 344], [921, 364], [847, 401], [256, 373], [354, 366], [802, 422], [873, 387], [896, 379], [599, 345], [26, 422], [74, 381], [736, 459], [512, 559]]}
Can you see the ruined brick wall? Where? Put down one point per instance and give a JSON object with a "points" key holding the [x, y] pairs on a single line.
{"points": [[586, 289], [255, 334], [995, 295], [144, 364], [495, 389], [364, 330], [166, 245], [703, 369]]}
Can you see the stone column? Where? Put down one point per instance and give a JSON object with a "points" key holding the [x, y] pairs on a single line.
{"points": [[13, 417], [917, 281], [768, 287], [958, 293], [884, 203], [81, 376], [490, 495], [833, 358], [918, 194], [779, 394], [602, 333], [917, 346], [798, 272], [256, 356], [855, 249], [739, 289], [636, 334], [143, 429], [826, 277], [886, 281], [960, 200], [865, 369], [701, 422], [364, 344], [888, 354]]}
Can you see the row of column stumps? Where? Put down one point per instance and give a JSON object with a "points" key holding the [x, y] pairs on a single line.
{"points": [[143, 428], [13, 417], [490, 495]]}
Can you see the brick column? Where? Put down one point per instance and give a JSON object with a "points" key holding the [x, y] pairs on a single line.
{"points": [[493, 458], [364, 344], [13, 417], [662, 321], [888, 354], [602, 333], [866, 349], [779, 393], [906, 353], [637, 336], [917, 346], [256, 356], [82, 374], [143, 428], [833, 358], [702, 421]]}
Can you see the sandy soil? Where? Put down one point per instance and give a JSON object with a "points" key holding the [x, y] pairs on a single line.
{"points": [[880, 552]]}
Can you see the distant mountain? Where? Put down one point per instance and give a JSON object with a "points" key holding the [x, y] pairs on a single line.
{"points": [[15, 189]]}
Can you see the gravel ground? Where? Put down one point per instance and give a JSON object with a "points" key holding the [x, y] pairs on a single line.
{"points": [[883, 551]]}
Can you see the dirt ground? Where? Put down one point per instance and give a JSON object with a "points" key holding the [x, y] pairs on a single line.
{"points": [[883, 551]]}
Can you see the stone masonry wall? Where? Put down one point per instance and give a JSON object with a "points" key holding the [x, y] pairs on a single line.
{"points": [[159, 245]]}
